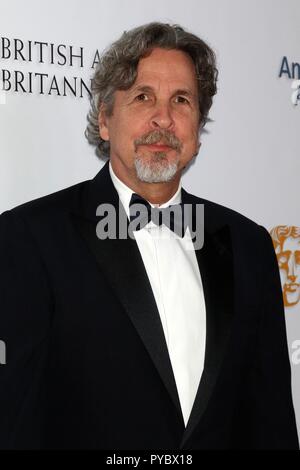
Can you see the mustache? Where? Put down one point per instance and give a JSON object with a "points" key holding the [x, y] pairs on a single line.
{"points": [[162, 136]]}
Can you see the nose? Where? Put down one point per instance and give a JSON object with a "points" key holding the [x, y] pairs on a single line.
{"points": [[291, 269], [162, 116]]}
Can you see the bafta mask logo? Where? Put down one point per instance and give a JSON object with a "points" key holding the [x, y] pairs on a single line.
{"points": [[286, 241]]}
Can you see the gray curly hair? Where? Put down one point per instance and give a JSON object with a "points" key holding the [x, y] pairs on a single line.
{"points": [[117, 70]]}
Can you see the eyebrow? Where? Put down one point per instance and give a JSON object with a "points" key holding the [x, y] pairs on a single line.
{"points": [[179, 91]]}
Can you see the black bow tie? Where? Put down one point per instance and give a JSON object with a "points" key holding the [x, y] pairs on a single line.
{"points": [[171, 216]]}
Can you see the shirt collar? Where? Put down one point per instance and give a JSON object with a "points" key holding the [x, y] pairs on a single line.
{"points": [[125, 192]]}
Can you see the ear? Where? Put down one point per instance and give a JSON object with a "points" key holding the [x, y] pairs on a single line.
{"points": [[102, 122], [198, 145]]}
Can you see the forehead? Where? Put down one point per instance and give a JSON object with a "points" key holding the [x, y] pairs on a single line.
{"points": [[291, 244], [167, 66]]}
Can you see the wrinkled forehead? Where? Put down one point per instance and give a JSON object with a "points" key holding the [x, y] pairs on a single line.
{"points": [[168, 66]]}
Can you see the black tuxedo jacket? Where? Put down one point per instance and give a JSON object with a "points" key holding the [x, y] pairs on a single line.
{"points": [[87, 366]]}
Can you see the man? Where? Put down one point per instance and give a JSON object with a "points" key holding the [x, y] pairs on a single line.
{"points": [[139, 342]]}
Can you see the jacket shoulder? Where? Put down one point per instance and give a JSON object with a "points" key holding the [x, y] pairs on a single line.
{"points": [[60, 201], [225, 215]]}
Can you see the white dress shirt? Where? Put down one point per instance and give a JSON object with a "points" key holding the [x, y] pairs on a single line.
{"points": [[174, 275]]}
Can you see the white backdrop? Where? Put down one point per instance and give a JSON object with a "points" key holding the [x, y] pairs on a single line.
{"points": [[249, 159]]}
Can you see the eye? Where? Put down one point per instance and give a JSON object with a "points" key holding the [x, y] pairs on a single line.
{"points": [[181, 99], [282, 259], [142, 97]]}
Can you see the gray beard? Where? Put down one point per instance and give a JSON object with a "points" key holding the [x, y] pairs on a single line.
{"points": [[158, 170]]}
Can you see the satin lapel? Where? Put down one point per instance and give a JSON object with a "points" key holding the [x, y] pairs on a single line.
{"points": [[120, 261], [215, 263]]}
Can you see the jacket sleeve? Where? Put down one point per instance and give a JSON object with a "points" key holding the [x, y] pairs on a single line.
{"points": [[272, 412], [25, 309]]}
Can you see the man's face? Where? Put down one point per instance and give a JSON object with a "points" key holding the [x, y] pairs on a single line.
{"points": [[288, 257], [154, 128]]}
